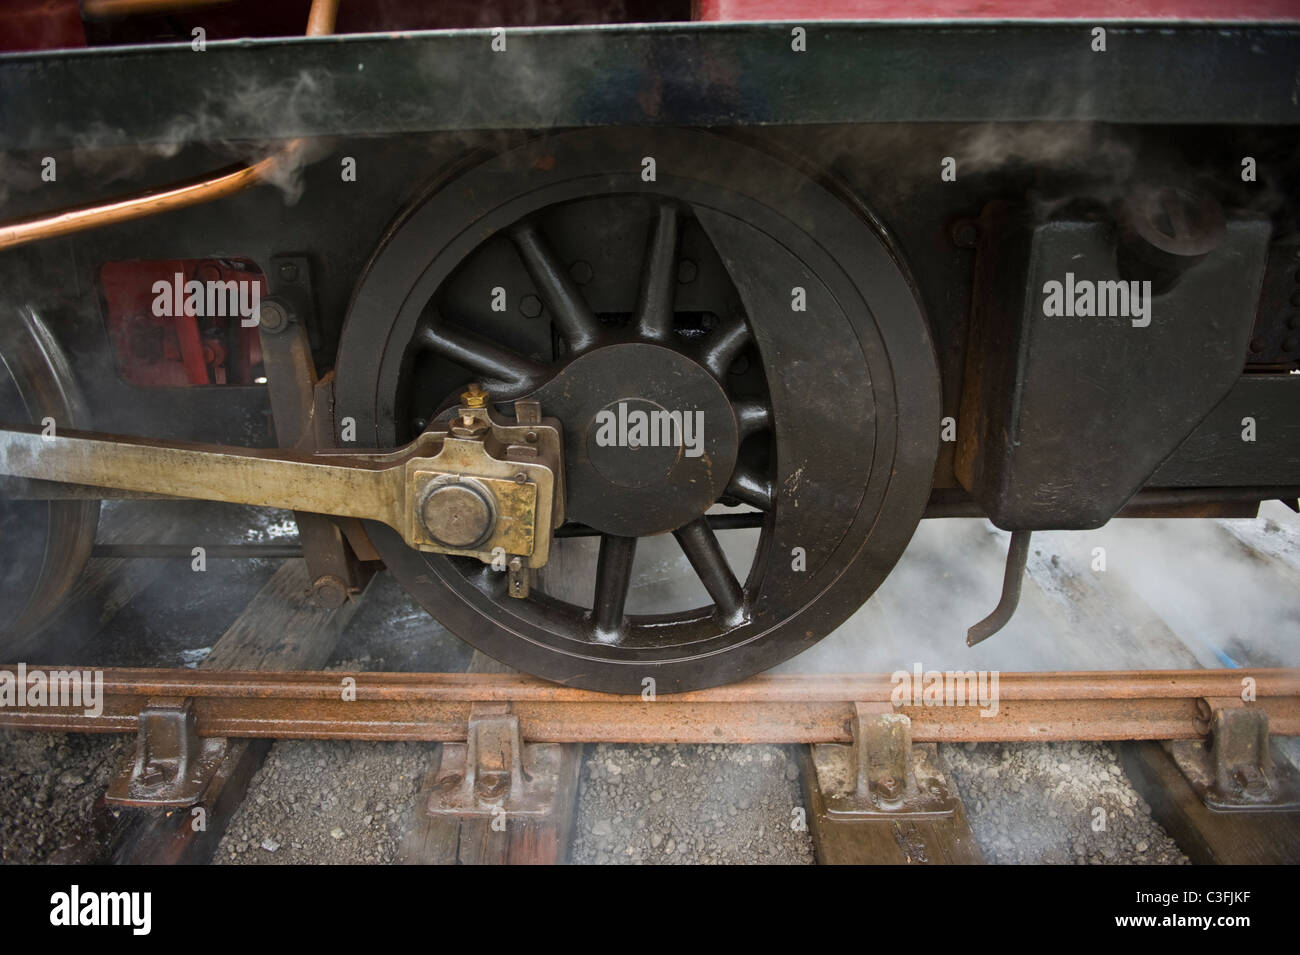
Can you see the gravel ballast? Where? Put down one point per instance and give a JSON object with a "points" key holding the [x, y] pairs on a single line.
{"points": [[49, 783], [1055, 803], [690, 804], [327, 803]]}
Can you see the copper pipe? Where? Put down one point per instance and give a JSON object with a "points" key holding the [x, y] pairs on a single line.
{"points": [[321, 19], [137, 207], [319, 22]]}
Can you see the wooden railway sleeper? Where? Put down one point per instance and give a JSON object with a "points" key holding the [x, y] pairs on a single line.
{"points": [[881, 775], [1236, 769]]}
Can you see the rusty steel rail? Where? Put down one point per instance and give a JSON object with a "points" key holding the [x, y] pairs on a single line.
{"points": [[1102, 705]]}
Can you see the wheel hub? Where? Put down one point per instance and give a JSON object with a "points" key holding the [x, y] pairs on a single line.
{"points": [[650, 437], [629, 296]]}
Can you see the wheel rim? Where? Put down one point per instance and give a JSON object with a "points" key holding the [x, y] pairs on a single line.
{"points": [[827, 443], [44, 544]]}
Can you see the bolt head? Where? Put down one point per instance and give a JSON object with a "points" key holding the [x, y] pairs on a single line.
{"points": [[272, 315], [581, 272], [965, 233], [329, 592], [492, 785], [457, 515]]}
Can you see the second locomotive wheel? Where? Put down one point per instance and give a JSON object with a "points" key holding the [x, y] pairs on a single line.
{"points": [[43, 544], [612, 273]]}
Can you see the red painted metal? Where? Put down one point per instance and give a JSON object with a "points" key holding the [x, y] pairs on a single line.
{"points": [[796, 10], [183, 350], [40, 25], [54, 24]]}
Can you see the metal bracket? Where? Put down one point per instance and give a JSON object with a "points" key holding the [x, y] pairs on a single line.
{"points": [[172, 765], [494, 770], [881, 775], [1235, 770], [392, 487], [302, 408]]}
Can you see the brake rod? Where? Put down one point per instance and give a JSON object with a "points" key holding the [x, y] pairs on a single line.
{"points": [[339, 483], [445, 492]]}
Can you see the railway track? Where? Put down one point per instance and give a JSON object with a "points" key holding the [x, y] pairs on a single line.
{"points": [[263, 680], [438, 707], [519, 718]]}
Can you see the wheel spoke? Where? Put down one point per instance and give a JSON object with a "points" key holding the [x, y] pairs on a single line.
{"points": [[571, 313], [751, 417], [748, 486], [724, 345], [702, 549], [516, 373], [613, 578], [654, 310]]}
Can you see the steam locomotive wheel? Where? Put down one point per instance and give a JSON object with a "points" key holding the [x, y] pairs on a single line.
{"points": [[614, 271], [43, 544]]}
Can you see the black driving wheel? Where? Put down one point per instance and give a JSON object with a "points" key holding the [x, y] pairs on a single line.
{"points": [[616, 275]]}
